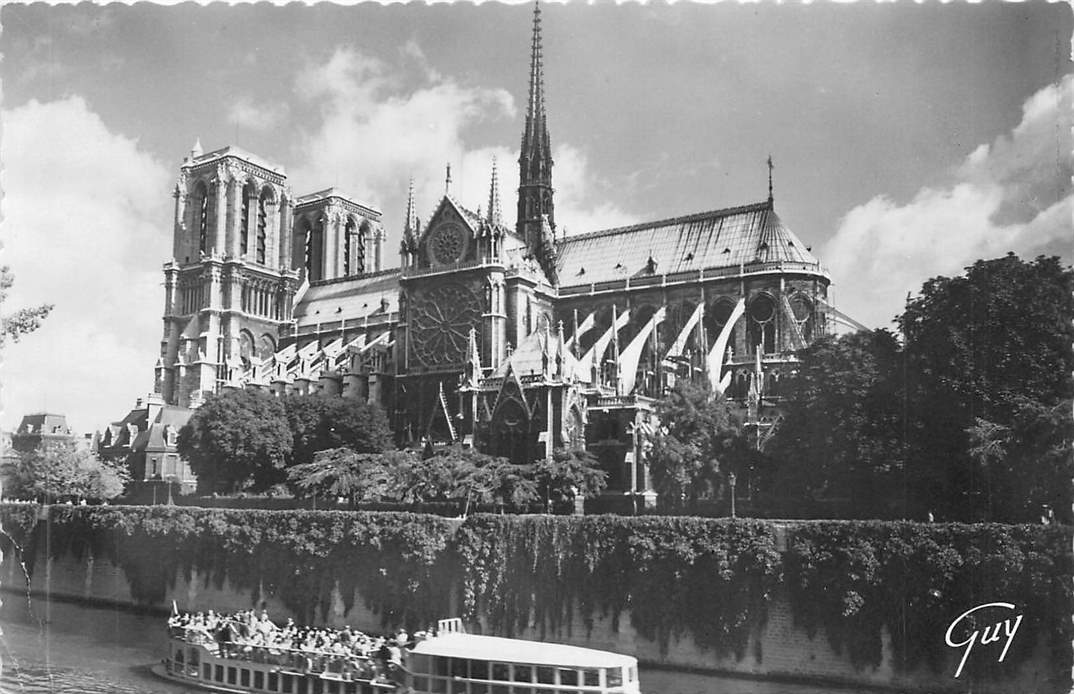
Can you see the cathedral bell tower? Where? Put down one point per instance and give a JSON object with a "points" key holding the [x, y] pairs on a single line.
{"points": [[229, 286], [536, 222]]}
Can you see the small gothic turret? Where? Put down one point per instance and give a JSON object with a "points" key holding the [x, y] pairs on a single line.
{"points": [[535, 157], [409, 244], [495, 215]]}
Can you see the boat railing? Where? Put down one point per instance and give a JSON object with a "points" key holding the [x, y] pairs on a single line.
{"points": [[348, 665]]}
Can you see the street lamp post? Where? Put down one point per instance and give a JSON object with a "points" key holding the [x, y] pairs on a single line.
{"points": [[731, 480]]}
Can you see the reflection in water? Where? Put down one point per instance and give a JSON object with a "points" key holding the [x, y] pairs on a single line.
{"points": [[86, 650]]}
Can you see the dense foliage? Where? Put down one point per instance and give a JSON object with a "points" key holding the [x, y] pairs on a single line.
{"points": [[568, 474], [697, 444], [968, 419], [710, 579], [61, 473], [842, 434], [678, 577], [237, 440], [858, 578], [989, 372], [322, 422]]}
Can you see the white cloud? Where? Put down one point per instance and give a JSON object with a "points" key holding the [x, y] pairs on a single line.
{"points": [[1011, 195], [86, 228], [245, 113], [383, 124]]}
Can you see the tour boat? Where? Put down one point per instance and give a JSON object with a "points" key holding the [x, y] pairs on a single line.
{"points": [[448, 662]]}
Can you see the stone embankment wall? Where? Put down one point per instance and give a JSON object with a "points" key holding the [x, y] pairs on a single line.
{"points": [[778, 646]]}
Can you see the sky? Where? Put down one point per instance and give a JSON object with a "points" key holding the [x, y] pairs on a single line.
{"points": [[908, 140]]}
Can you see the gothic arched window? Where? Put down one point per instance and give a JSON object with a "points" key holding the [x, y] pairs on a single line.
{"points": [[249, 194], [364, 240], [315, 251], [762, 312], [348, 247], [263, 203], [201, 209]]}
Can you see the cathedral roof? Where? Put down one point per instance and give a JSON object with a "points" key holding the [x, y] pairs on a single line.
{"points": [[349, 298], [720, 238]]}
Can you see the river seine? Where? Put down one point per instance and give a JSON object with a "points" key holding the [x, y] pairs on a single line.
{"points": [[87, 650]]}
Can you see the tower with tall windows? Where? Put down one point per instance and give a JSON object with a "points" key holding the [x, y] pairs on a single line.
{"points": [[229, 286]]}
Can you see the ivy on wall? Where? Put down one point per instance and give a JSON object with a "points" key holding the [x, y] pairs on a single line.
{"points": [[857, 578], [708, 579]]}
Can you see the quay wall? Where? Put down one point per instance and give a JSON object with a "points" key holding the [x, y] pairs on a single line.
{"points": [[780, 644]]}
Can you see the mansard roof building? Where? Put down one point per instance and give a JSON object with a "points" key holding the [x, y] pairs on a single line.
{"points": [[516, 339]]}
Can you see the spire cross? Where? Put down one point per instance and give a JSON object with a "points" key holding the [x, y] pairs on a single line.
{"points": [[447, 180]]}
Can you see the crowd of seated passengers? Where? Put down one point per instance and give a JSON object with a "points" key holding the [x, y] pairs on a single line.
{"points": [[244, 635]]}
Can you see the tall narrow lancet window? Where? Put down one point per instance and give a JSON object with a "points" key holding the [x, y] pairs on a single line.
{"points": [[262, 224], [361, 243], [202, 210], [348, 248], [244, 224], [315, 251]]}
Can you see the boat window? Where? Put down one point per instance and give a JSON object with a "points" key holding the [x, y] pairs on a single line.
{"points": [[288, 682], [178, 656], [219, 673], [479, 688], [546, 675], [421, 684], [615, 677], [443, 666], [195, 657], [273, 681], [244, 677], [318, 686], [458, 688], [232, 674], [332, 687], [439, 686], [206, 671], [259, 679], [522, 690], [500, 689], [591, 677], [501, 671], [523, 673], [350, 688], [568, 677], [419, 663], [479, 669], [458, 667]]}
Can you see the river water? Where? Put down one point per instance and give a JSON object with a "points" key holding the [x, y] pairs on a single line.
{"points": [[89, 650]]}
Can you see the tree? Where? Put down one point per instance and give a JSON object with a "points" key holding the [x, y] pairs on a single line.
{"points": [[697, 433], [59, 472], [323, 422], [237, 440], [357, 476], [466, 475], [22, 321], [842, 434], [989, 361], [570, 473]]}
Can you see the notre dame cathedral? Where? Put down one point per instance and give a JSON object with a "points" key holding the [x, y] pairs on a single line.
{"points": [[511, 338]]}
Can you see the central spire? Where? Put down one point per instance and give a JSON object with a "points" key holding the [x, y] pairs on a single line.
{"points": [[535, 204]]}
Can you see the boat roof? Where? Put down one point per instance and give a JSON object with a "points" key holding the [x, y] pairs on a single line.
{"points": [[518, 651]]}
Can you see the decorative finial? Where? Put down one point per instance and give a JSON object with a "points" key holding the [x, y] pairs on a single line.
{"points": [[770, 167], [410, 227], [196, 150], [447, 180], [495, 215]]}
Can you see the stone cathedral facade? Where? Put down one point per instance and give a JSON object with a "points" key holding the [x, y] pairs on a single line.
{"points": [[508, 337]]}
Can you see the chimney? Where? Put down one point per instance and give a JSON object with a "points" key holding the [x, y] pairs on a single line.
{"points": [[154, 403]]}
